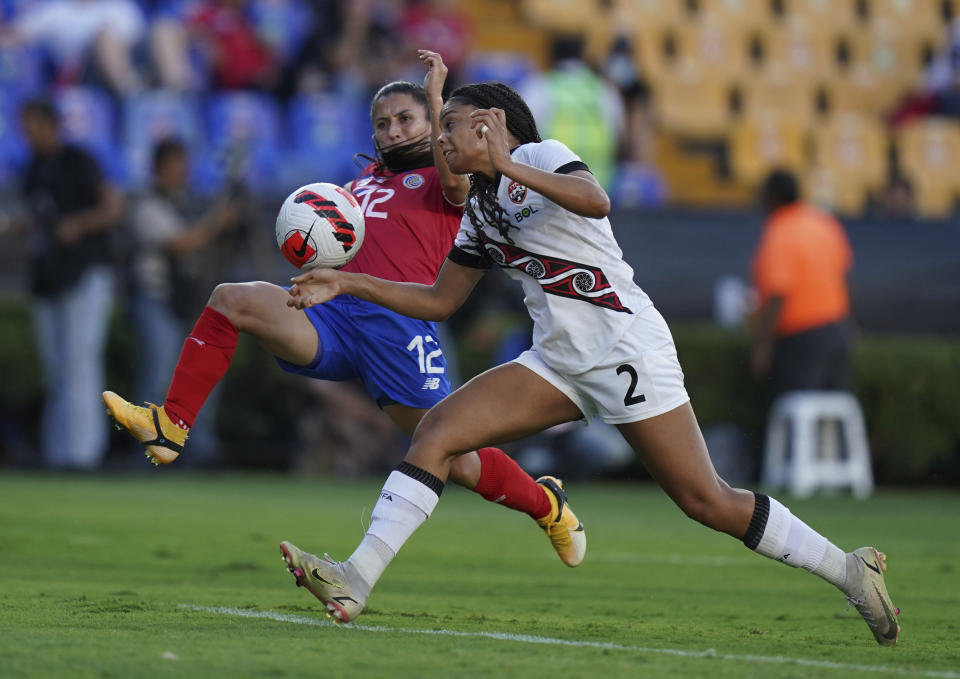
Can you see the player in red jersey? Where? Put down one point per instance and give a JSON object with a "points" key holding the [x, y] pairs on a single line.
{"points": [[412, 205]]}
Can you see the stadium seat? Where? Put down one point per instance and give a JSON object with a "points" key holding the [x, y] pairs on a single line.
{"points": [[742, 16], [693, 104], [21, 70], [895, 59], [717, 49], [761, 145], [562, 16], [915, 20], [832, 15], [152, 116], [861, 89], [88, 118], [806, 432], [775, 93], [853, 144], [244, 142], [642, 15], [325, 133], [803, 51], [13, 151], [510, 68], [928, 153]]}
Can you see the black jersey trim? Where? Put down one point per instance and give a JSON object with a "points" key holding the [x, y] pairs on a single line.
{"points": [[464, 258], [572, 166]]}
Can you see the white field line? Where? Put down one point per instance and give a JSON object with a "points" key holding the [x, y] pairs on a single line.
{"points": [[531, 639]]}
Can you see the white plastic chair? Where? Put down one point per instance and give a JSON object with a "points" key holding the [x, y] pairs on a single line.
{"points": [[806, 432]]}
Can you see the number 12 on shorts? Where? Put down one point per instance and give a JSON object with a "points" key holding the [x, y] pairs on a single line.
{"points": [[424, 358]]}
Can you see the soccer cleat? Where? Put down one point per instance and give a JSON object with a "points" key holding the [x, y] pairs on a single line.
{"points": [[324, 579], [867, 592], [151, 426], [561, 525]]}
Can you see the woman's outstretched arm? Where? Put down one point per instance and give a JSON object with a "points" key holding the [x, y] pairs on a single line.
{"points": [[427, 302]]}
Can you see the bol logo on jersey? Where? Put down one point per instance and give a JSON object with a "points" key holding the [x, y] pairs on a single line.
{"points": [[413, 181], [343, 230], [517, 192]]}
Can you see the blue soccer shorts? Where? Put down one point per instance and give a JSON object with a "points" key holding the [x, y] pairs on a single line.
{"points": [[399, 359]]}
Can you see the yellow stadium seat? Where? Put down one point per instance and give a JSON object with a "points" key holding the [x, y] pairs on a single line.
{"points": [[835, 191], [850, 160], [896, 59], [916, 20], [855, 146], [829, 15], [759, 146], [741, 15], [721, 50], [564, 16], [642, 15], [692, 103], [775, 93], [861, 89], [928, 153], [804, 51]]}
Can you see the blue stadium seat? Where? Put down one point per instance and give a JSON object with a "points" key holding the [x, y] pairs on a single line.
{"points": [[21, 70], [325, 132], [243, 142], [150, 117], [510, 68], [13, 151], [87, 115]]}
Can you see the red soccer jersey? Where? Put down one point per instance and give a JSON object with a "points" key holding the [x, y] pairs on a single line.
{"points": [[410, 225]]}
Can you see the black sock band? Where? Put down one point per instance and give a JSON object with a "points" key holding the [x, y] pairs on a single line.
{"points": [[761, 510], [421, 475]]}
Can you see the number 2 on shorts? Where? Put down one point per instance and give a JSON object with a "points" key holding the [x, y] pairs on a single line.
{"points": [[631, 398]]}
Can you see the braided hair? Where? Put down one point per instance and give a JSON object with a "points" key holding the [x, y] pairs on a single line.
{"points": [[520, 124], [407, 155]]}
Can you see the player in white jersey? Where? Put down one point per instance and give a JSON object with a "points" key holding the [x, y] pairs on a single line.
{"points": [[599, 348]]}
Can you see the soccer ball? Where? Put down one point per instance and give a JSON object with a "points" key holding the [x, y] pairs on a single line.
{"points": [[320, 225]]}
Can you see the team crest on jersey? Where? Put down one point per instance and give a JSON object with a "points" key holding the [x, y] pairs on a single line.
{"points": [[517, 192], [413, 181], [557, 276]]}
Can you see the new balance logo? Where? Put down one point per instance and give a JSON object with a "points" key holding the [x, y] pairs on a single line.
{"points": [[431, 383]]}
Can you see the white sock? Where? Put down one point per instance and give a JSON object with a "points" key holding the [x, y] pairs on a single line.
{"points": [[778, 534], [407, 499]]}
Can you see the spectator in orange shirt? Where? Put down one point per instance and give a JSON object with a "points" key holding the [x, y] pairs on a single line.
{"points": [[802, 333]]}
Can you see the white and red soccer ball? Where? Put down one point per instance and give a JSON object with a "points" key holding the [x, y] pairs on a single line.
{"points": [[320, 225]]}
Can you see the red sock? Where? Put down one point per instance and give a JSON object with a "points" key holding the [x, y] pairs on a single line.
{"points": [[204, 360], [503, 481]]}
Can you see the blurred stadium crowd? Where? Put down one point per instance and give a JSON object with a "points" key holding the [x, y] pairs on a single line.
{"points": [[686, 101], [672, 103]]}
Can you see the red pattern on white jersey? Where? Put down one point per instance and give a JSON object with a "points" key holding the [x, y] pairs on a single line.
{"points": [[410, 225]]}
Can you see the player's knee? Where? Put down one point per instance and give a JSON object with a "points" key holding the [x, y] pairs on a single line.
{"points": [[430, 439], [705, 508], [236, 301]]}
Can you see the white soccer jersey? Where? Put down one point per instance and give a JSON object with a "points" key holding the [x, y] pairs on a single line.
{"points": [[578, 290]]}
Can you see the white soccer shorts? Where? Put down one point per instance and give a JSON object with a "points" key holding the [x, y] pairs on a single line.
{"points": [[639, 378]]}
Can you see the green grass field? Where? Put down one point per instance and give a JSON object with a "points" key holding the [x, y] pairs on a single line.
{"points": [[168, 574]]}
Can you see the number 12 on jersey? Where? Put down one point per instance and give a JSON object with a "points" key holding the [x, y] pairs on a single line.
{"points": [[424, 358]]}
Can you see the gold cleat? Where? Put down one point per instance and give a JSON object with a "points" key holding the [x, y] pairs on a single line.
{"points": [[561, 525], [867, 592], [151, 426], [324, 579]]}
